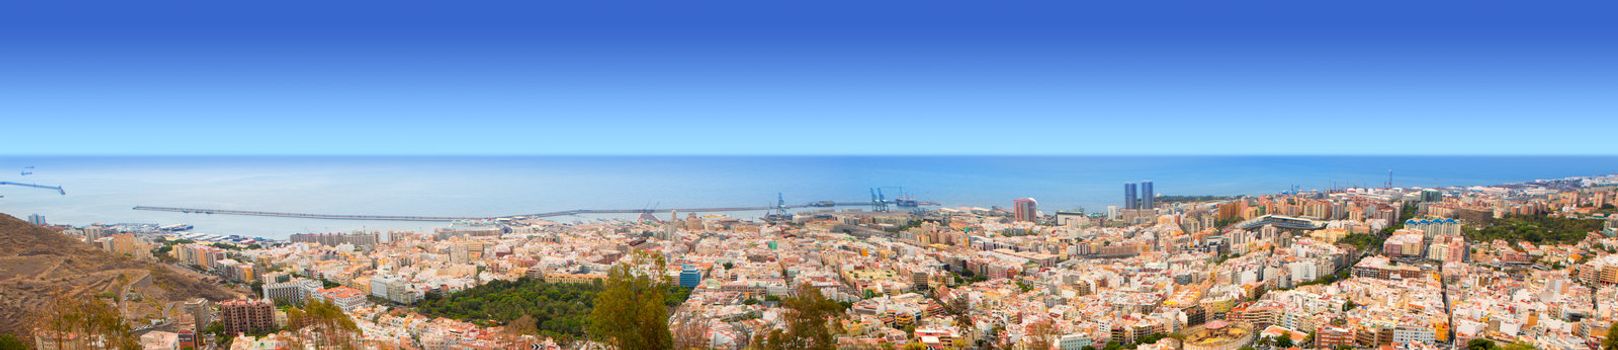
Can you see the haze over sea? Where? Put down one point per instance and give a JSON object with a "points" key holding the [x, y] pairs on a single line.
{"points": [[104, 189]]}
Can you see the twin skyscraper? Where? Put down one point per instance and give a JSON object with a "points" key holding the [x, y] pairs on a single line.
{"points": [[1141, 199]]}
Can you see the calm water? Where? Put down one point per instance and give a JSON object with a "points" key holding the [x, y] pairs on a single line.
{"points": [[103, 189]]}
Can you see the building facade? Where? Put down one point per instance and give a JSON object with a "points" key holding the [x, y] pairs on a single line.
{"points": [[1024, 209], [243, 316], [690, 277]]}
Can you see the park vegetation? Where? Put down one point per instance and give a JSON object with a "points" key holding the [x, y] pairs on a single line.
{"points": [[557, 310], [1537, 229], [631, 298], [1361, 241]]}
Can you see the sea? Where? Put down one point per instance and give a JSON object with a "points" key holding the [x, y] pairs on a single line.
{"points": [[105, 189]]}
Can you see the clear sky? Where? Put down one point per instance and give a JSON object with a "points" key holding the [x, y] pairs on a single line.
{"points": [[809, 77]]}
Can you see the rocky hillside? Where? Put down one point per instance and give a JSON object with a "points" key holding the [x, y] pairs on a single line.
{"points": [[37, 265]]}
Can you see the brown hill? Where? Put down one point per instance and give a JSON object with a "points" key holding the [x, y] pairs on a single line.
{"points": [[38, 265]]}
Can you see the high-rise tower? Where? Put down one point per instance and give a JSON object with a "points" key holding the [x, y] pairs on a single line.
{"points": [[671, 229], [1146, 196], [1024, 209], [1130, 201]]}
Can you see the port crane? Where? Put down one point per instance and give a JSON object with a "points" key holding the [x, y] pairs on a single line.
{"points": [[879, 203], [58, 189]]}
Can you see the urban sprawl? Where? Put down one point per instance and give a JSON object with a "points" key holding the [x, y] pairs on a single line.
{"points": [[1505, 266]]}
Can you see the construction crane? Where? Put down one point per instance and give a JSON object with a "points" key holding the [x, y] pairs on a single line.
{"points": [[43, 187]]}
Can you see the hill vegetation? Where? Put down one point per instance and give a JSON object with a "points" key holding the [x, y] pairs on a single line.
{"points": [[38, 265]]}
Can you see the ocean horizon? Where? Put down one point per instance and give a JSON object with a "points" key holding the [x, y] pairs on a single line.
{"points": [[103, 189]]}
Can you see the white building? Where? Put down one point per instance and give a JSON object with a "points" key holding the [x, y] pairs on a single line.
{"points": [[1412, 333], [290, 292], [393, 289]]}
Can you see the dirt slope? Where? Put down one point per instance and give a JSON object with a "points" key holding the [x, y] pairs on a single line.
{"points": [[37, 265]]}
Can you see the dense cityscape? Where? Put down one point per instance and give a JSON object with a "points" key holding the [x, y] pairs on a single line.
{"points": [[693, 175], [1528, 265]]}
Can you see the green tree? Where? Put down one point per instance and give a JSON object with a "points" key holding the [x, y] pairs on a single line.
{"points": [[561, 310], [70, 315], [332, 328], [1518, 346], [1024, 286], [1150, 338], [1536, 229], [1480, 344], [1283, 341], [811, 323], [1360, 241], [10, 342], [218, 331], [525, 325], [518, 329], [630, 313], [1611, 343]]}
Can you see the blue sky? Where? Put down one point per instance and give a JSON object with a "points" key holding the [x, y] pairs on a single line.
{"points": [[820, 77]]}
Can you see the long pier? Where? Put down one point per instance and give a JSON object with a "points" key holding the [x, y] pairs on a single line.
{"points": [[307, 215], [58, 189], [823, 204]]}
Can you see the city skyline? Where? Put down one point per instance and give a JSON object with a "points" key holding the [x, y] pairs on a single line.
{"points": [[1505, 266], [830, 175]]}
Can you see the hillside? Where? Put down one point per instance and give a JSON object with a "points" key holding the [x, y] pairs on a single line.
{"points": [[37, 265]]}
